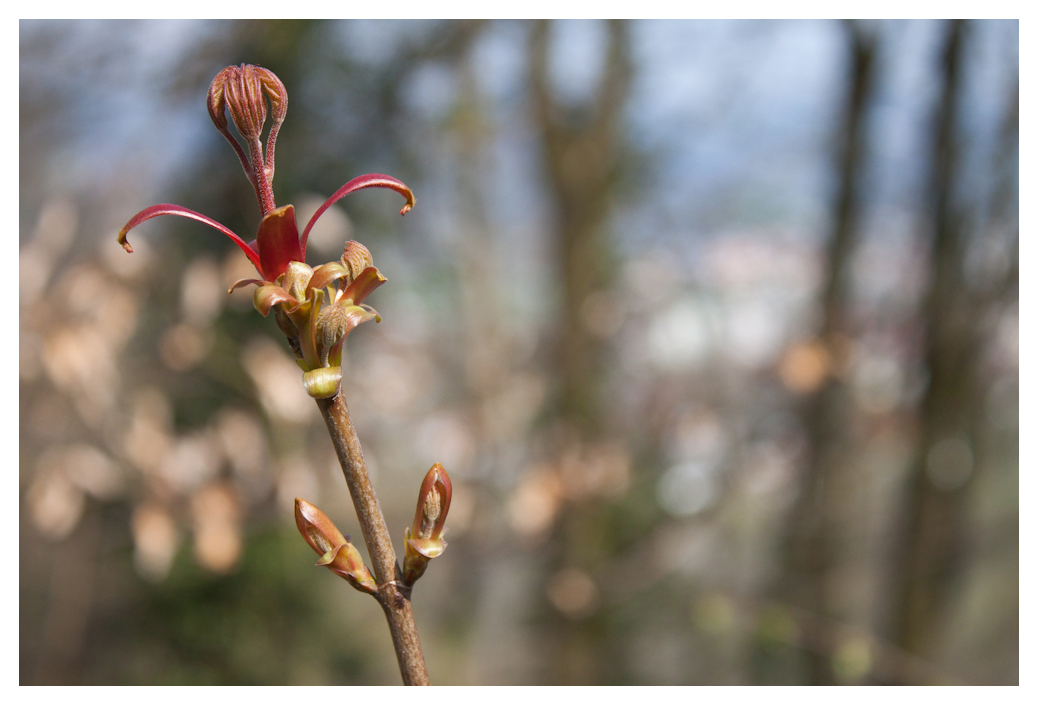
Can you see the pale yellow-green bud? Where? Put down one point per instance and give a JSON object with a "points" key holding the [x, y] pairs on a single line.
{"points": [[322, 383]]}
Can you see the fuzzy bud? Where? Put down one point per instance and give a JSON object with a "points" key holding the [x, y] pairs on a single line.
{"points": [[333, 323], [244, 90], [355, 259]]}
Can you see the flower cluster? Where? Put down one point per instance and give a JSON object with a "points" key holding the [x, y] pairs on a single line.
{"points": [[315, 327]]}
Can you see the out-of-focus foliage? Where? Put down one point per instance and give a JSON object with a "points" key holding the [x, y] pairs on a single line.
{"points": [[681, 454]]}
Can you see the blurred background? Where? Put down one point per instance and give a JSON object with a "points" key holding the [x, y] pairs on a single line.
{"points": [[714, 326]]}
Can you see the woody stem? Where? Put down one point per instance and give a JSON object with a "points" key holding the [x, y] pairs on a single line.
{"points": [[395, 602]]}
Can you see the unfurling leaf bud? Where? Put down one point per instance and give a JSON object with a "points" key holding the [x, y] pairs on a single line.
{"points": [[266, 296], [434, 500], [355, 259], [319, 531], [325, 275], [297, 277], [341, 557], [424, 539], [346, 561], [333, 323]]}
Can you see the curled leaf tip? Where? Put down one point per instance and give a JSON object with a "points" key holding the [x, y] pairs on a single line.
{"points": [[410, 200], [366, 181], [243, 282], [122, 239], [169, 209]]}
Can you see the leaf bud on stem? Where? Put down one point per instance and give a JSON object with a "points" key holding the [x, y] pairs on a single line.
{"points": [[424, 540], [341, 557]]}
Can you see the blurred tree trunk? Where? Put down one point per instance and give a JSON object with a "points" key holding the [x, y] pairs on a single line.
{"points": [[812, 544], [929, 553], [1003, 211], [487, 346], [582, 150], [494, 596], [65, 630]]}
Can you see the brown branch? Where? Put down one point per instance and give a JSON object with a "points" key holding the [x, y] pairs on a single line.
{"points": [[394, 598]]}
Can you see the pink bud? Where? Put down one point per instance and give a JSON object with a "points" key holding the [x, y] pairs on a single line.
{"points": [[244, 90], [424, 539], [341, 557]]}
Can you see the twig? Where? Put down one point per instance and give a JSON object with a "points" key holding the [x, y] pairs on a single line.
{"points": [[394, 598]]}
